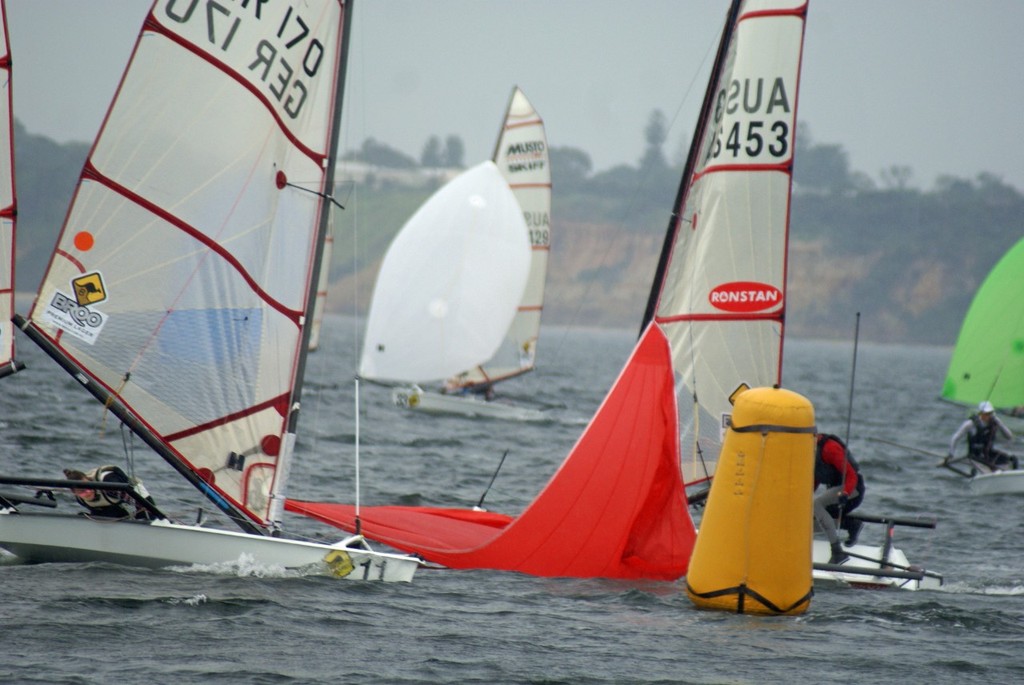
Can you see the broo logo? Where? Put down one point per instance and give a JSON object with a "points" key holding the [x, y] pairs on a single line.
{"points": [[745, 297], [75, 315], [89, 289]]}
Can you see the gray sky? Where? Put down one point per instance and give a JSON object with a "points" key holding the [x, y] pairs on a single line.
{"points": [[932, 85]]}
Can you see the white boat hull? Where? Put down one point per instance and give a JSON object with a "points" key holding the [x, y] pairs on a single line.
{"points": [[896, 561], [998, 482], [417, 399], [43, 537]]}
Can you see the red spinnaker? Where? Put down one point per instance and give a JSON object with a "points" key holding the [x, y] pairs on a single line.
{"points": [[616, 508]]}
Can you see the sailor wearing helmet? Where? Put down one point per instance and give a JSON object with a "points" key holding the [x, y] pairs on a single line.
{"points": [[981, 430]]}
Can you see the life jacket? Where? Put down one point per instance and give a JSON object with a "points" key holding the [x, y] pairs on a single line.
{"points": [[102, 499], [980, 440], [828, 474]]}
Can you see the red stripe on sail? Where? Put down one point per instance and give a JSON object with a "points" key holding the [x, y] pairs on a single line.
{"points": [[532, 122], [93, 173], [765, 316], [279, 403], [153, 25]]}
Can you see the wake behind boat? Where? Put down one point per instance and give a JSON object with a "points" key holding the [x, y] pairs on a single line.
{"points": [[182, 285]]}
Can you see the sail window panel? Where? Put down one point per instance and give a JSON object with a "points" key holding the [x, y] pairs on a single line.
{"points": [[247, 478], [290, 66], [179, 170], [181, 320], [712, 359], [732, 242]]}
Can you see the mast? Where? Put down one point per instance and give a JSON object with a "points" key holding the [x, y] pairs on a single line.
{"points": [[325, 208], [277, 494]]}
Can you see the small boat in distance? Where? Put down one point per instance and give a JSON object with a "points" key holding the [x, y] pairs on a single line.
{"points": [[987, 364], [521, 157]]}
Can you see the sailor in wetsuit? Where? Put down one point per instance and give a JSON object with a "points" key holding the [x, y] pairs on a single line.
{"points": [[108, 503], [836, 469], [981, 430]]}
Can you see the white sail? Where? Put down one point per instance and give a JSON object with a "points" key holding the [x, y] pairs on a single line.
{"points": [[181, 279], [450, 283], [522, 155], [720, 292], [7, 205]]}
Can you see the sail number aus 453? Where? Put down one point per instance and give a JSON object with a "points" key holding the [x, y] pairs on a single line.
{"points": [[757, 138], [752, 118]]}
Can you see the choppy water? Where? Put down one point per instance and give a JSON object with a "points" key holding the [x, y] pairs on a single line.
{"points": [[100, 624]]}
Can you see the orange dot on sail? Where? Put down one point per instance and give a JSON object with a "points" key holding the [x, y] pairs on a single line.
{"points": [[84, 241]]}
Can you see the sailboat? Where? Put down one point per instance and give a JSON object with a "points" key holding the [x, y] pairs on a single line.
{"points": [[419, 271], [179, 291], [8, 364], [617, 507], [988, 362]]}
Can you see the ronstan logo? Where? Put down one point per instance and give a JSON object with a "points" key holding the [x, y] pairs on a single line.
{"points": [[745, 296]]}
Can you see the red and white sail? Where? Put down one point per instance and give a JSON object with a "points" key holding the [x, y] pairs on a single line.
{"points": [[522, 156], [7, 205], [720, 291], [182, 277]]}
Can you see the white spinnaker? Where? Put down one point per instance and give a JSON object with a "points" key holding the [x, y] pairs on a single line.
{"points": [[6, 203], [722, 297], [196, 251], [450, 283], [521, 154]]}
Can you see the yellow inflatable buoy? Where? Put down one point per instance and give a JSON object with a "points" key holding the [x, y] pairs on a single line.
{"points": [[753, 550]]}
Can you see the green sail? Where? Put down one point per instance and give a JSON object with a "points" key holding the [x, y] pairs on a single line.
{"points": [[988, 360]]}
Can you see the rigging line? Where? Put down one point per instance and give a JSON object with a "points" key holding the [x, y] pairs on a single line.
{"points": [[324, 196], [853, 373], [480, 505]]}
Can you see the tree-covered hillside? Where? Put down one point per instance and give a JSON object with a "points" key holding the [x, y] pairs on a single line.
{"points": [[909, 259]]}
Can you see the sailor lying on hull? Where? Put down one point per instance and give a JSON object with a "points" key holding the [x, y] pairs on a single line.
{"points": [[109, 503]]}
